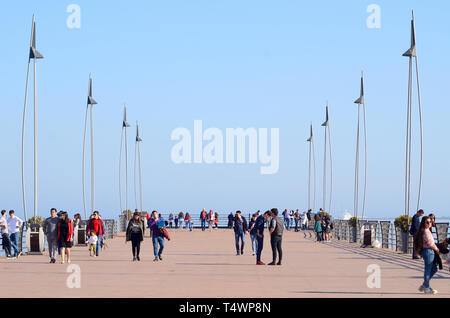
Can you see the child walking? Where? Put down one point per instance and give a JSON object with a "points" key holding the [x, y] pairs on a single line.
{"points": [[92, 241]]}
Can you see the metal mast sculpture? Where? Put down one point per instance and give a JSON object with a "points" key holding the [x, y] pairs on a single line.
{"points": [[326, 124], [91, 102], [360, 101], [412, 53], [313, 157], [125, 125], [137, 151], [34, 54]]}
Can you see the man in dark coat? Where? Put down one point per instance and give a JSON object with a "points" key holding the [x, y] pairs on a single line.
{"points": [[240, 229], [415, 224]]}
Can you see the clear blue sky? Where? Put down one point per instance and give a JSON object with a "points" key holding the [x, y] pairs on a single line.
{"points": [[263, 64]]}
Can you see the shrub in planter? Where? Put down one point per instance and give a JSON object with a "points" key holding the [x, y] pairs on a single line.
{"points": [[352, 221], [402, 223]]}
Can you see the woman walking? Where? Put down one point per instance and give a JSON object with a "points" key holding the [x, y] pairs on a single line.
{"points": [[424, 245], [211, 219], [216, 219], [135, 234], [181, 219], [318, 227], [65, 236], [188, 221], [156, 223]]}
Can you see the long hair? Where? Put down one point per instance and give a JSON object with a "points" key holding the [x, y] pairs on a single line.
{"points": [[418, 238]]}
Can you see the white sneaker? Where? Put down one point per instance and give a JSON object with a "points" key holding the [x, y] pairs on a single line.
{"points": [[430, 291]]}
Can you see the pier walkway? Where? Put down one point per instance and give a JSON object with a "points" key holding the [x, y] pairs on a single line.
{"points": [[204, 264]]}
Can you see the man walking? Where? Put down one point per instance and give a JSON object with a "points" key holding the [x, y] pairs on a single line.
{"points": [[14, 223], [203, 219], [5, 238], [240, 229], [259, 226], [96, 224], [415, 224], [51, 232], [276, 234], [155, 223]]}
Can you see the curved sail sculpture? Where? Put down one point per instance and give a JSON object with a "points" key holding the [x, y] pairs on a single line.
{"points": [[137, 152], [125, 125], [360, 101], [90, 102], [326, 125], [312, 159], [411, 53], [33, 55]]}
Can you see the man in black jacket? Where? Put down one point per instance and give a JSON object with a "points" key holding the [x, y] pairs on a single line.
{"points": [[240, 229]]}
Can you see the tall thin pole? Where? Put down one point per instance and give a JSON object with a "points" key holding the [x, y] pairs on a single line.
{"points": [[356, 190], [92, 163], [309, 168], [140, 175], [325, 125], [35, 146], [23, 143], [135, 189], [120, 170], [314, 169], [331, 169], [83, 162], [126, 164]]}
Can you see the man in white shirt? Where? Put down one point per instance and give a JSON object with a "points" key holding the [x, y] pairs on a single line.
{"points": [[5, 237], [14, 223]]}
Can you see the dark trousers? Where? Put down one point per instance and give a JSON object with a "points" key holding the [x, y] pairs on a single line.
{"points": [[319, 236], [136, 243], [6, 244], [176, 223], [296, 225], [259, 248], [275, 242]]}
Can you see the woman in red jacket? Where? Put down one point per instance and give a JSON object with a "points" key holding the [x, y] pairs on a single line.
{"points": [[65, 236]]}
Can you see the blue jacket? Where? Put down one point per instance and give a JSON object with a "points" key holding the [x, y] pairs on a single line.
{"points": [[415, 224], [259, 224]]}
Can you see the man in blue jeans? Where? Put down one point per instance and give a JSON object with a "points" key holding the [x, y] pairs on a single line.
{"points": [[240, 229], [203, 219], [15, 224], [155, 223]]}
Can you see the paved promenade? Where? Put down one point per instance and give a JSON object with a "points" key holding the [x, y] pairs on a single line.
{"points": [[204, 264]]}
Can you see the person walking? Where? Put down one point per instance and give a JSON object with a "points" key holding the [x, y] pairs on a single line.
{"points": [[297, 219], [188, 221], [276, 237], [259, 225], [170, 220], [253, 236], [425, 246], [230, 220], [181, 219], [176, 221], [304, 221], [92, 243], [14, 224], [318, 227], [216, 219], [5, 237], [156, 223], [210, 219], [135, 234], [65, 236], [203, 217], [50, 229], [96, 224], [240, 229], [415, 224]]}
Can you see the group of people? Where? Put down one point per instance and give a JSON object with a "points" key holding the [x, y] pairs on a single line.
{"points": [[323, 226], [59, 231], [136, 232], [432, 253], [10, 230], [256, 230], [294, 219], [180, 221]]}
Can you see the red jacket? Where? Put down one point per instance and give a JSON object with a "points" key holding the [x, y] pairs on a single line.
{"points": [[101, 227], [69, 234]]}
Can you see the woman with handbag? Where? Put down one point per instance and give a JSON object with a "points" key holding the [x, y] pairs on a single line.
{"points": [[156, 224], [135, 234]]}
